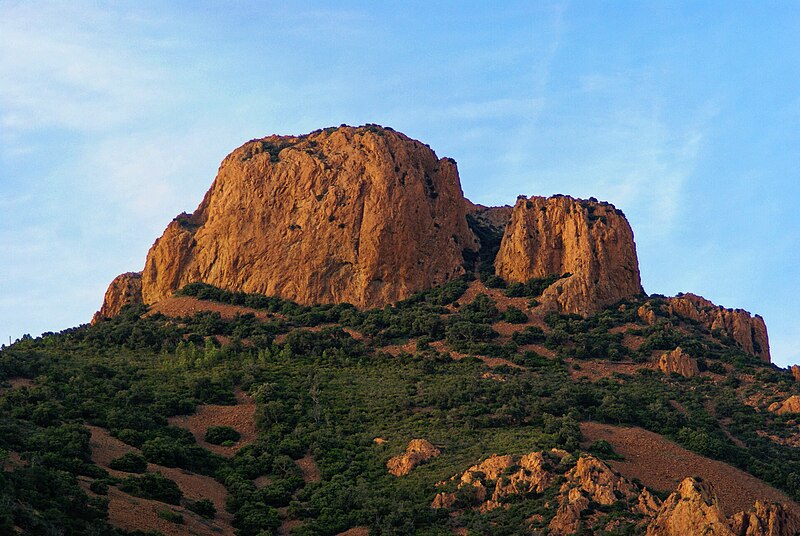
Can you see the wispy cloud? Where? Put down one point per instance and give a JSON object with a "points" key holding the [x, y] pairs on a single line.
{"points": [[58, 71]]}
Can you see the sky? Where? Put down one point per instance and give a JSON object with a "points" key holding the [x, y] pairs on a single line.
{"points": [[114, 117]]}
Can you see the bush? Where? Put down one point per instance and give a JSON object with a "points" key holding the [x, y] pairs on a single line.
{"points": [[530, 335], [171, 516], [513, 315], [217, 435], [130, 463], [153, 486], [603, 449], [204, 508]]}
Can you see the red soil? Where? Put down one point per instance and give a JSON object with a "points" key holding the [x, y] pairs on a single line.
{"points": [[241, 417], [308, 466], [188, 306], [131, 513], [16, 383], [661, 464], [595, 370], [355, 531]]}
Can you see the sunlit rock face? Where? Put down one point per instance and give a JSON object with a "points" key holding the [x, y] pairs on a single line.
{"points": [[590, 240]]}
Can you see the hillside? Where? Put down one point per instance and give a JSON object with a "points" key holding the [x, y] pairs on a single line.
{"points": [[334, 384], [508, 375]]}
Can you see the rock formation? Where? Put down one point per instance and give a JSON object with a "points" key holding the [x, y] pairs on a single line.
{"points": [[590, 240], [795, 370], [691, 509], [500, 479], [369, 216], [678, 362], [418, 451], [125, 289], [790, 405], [530, 476], [749, 332], [591, 486], [361, 215], [766, 519]]}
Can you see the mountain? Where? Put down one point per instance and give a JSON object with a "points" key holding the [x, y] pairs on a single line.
{"points": [[337, 342]]}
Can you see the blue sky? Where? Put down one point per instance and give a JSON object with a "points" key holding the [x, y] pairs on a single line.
{"points": [[114, 118]]}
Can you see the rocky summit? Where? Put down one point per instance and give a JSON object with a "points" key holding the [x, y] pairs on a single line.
{"points": [[368, 216], [589, 242]]}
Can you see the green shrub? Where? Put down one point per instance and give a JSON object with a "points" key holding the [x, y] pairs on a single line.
{"points": [[530, 335], [514, 315], [130, 462], [217, 435], [171, 516], [603, 449], [204, 508], [153, 486]]}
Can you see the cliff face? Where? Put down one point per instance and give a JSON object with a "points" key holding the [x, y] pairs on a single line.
{"points": [[360, 215], [125, 289], [590, 240], [749, 332]]}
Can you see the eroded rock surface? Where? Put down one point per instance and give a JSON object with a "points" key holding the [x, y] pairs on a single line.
{"points": [[679, 362], [588, 239], [361, 215], [766, 519], [125, 289], [691, 509], [418, 451], [790, 405], [749, 332]]}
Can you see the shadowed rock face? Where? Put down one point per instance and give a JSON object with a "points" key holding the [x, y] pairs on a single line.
{"points": [[749, 332], [125, 289], [590, 240], [362, 215]]}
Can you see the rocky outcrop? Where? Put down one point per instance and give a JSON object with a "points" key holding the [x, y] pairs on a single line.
{"points": [[361, 215], [590, 240], [500, 480], [749, 332], [125, 289], [591, 481], [790, 405], [418, 451], [795, 370], [766, 519], [521, 475], [589, 487], [691, 509], [678, 362]]}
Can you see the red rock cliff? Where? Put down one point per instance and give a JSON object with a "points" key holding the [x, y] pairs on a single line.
{"points": [[590, 240], [124, 289], [361, 215], [749, 332]]}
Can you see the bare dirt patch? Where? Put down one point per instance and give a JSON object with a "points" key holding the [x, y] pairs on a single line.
{"points": [[134, 513], [661, 464], [596, 370], [188, 306], [124, 509], [355, 531], [396, 349], [14, 460], [241, 417], [17, 383], [308, 467], [441, 346]]}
